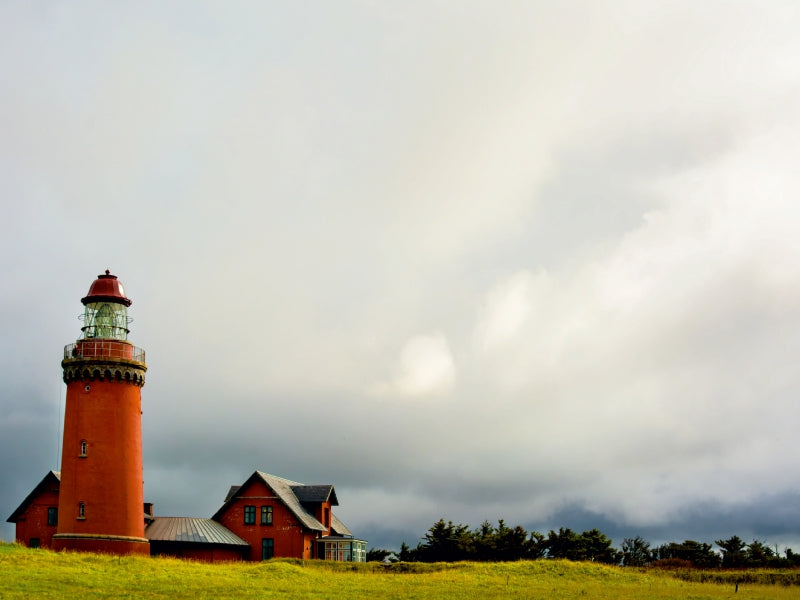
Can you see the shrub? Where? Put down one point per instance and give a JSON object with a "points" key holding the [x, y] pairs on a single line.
{"points": [[672, 564]]}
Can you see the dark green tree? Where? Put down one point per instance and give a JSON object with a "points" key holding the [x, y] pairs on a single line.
{"points": [[597, 548], [635, 552], [509, 543], [446, 542], [483, 539], [409, 554], [700, 554], [590, 545], [792, 558], [501, 544], [535, 546], [758, 554], [733, 554], [564, 544]]}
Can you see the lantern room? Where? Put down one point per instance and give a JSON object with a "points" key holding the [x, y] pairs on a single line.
{"points": [[105, 314]]}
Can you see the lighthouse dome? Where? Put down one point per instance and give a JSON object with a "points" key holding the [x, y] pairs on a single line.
{"points": [[106, 288]]}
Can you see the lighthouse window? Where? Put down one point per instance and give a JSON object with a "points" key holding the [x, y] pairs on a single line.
{"points": [[84, 447], [105, 320], [81, 510], [249, 515]]}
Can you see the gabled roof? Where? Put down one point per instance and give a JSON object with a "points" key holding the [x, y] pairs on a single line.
{"points": [[293, 495], [188, 529], [52, 477]]}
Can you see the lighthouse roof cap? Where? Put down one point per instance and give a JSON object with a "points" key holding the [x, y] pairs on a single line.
{"points": [[107, 288]]}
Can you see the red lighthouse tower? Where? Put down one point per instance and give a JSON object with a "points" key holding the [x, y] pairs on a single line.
{"points": [[101, 501]]}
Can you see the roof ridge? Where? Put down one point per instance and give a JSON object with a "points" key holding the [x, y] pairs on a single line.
{"points": [[283, 479], [283, 489]]}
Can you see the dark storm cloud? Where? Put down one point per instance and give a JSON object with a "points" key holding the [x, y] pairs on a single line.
{"points": [[770, 518]]}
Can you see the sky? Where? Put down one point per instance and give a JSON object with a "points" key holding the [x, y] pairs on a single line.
{"points": [[469, 260]]}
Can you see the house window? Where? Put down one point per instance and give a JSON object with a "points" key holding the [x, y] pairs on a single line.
{"points": [[52, 516], [249, 515], [326, 517], [359, 551], [84, 447], [35, 543], [81, 510], [267, 548], [266, 515]]}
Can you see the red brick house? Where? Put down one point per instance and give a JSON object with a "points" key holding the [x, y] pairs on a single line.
{"points": [[278, 517], [266, 516], [37, 517]]}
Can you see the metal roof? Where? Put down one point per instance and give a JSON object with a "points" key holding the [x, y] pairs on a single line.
{"points": [[192, 530], [107, 288], [338, 527]]}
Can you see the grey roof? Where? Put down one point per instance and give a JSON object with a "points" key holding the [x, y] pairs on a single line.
{"points": [[232, 492], [52, 477], [189, 529], [338, 527], [293, 494], [315, 493], [283, 488]]}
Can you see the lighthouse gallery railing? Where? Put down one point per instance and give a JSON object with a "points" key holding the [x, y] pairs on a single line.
{"points": [[100, 348]]}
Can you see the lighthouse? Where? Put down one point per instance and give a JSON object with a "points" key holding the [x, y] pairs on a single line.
{"points": [[101, 499]]}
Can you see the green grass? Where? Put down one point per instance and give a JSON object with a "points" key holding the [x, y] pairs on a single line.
{"points": [[26, 573]]}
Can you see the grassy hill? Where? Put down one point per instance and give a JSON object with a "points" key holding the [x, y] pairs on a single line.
{"points": [[26, 573]]}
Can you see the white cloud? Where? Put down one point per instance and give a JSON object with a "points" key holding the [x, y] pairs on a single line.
{"points": [[508, 307], [425, 368]]}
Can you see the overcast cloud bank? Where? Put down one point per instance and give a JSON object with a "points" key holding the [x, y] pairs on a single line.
{"points": [[533, 263]]}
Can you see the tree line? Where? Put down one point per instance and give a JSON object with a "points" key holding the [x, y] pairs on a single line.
{"points": [[449, 542]]}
